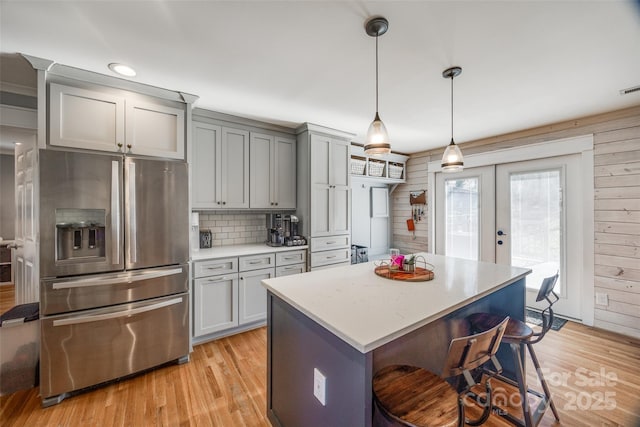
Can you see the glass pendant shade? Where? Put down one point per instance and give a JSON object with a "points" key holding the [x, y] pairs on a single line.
{"points": [[452, 160], [377, 142]]}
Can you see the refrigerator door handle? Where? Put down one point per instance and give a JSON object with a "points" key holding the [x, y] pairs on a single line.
{"points": [[117, 314], [130, 278], [115, 212], [132, 213]]}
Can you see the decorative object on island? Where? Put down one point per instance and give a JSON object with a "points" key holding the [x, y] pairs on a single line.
{"points": [[377, 142], [404, 268], [452, 158]]}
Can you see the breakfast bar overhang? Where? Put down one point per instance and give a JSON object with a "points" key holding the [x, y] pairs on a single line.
{"points": [[347, 323]]}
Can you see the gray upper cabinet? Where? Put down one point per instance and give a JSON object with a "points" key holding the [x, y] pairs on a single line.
{"points": [[220, 167], [81, 118], [234, 168], [106, 121], [206, 149], [273, 172], [329, 186]]}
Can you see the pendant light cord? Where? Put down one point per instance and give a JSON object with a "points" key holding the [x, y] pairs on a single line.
{"points": [[451, 107], [376, 73]]}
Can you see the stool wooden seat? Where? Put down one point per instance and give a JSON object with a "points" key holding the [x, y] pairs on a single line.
{"points": [[518, 334], [414, 396], [516, 330]]}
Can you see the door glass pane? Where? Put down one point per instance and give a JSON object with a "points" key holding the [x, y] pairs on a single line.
{"points": [[462, 218], [536, 224]]}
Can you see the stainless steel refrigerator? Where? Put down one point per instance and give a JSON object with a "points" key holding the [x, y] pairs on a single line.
{"points": [[114, 246]]}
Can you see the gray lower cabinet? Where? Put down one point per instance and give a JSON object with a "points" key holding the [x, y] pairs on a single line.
{"points": [[228, 292], [215, 296], [253, 296], [215, 304]]}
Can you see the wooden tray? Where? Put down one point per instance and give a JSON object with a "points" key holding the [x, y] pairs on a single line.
{"points": [[420, 274]]}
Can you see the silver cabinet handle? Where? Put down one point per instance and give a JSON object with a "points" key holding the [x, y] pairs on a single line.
{"points": [[331, 243], [117, 314], [218, 279], [332, 256], [217, 267], [115, 212], [291, 268], [129, 278], [256, 262], [132, 213]]}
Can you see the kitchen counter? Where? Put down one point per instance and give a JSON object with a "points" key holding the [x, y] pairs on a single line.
{"points": [[240, 250], [367, 311], [347, 323]]}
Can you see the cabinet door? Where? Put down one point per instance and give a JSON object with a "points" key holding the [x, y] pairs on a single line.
{"points": [[340, 219], [262, 170], [215, 303], [320, 157], [234, 165], [86, 119], [155, 130], [205, 176], [253, 296], [339, 163], [320, 210], [284, 182]]}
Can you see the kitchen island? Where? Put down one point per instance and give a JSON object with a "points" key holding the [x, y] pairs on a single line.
{"points": [[347, 323]]}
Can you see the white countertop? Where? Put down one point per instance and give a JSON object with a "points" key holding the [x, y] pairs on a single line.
{"points": [[368, 311], [240, 250]]}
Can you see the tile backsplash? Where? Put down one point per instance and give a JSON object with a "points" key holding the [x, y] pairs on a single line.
{"points": [[235, 229]]}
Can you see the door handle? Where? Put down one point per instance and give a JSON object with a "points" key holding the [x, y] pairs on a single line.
{"points": [[117, 314], [133, 226], [501, 233], [115, 212], [500, 242]]}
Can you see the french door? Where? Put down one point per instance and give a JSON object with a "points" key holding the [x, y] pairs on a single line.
{"points": [[526, 214]]}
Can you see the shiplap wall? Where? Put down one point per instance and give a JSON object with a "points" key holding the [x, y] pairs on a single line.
{"points": [[616, 205]]}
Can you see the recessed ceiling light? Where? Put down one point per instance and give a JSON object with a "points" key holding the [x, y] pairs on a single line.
{"points": [[123, 70]]}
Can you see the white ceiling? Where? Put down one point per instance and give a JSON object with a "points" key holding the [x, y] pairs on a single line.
{"points": [[525, 63]]}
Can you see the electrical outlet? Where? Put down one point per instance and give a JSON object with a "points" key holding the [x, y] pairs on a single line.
{"points": [[602, 299], [319, 386]]}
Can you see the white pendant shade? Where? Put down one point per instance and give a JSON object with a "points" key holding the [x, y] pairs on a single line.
{"points": [[452, 160], [377, 142]]}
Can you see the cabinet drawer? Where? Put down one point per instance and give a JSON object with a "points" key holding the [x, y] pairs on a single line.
{"points": [[291, 257], [215, 267], [330, 257], [254, 262], [287, 270], [325, 267], [329, 242]]}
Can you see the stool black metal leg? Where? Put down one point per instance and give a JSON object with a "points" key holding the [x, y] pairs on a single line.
{"points": [[522, 384], [543, 382]]}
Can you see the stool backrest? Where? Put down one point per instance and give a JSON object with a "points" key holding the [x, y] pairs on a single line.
{"points": [[546, 292], [466, 353]]}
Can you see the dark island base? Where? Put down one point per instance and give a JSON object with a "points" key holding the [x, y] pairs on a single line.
{"points": [[296, 345]]}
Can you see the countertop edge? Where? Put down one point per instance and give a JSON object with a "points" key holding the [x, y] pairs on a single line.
{"points": [[241, 250]]}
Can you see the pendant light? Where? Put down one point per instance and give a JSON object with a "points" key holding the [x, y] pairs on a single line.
{"points": [[377, 142], [452, 158]]}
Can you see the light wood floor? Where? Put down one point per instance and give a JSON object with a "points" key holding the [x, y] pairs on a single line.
{"points": [[224, 384]]}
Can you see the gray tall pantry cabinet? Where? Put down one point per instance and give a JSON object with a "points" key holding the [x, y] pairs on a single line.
{"points": [[323, 194]]}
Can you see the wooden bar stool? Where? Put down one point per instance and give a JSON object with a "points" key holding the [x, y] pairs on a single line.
{"points": [[412, 396], [517, 335]]}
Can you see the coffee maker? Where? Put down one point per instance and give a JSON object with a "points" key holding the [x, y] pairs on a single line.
{"points": [[291, 236], [275, 230], [282, 230]]}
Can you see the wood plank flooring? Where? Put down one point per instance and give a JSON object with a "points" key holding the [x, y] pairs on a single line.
{"points": [[224, 384]]}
